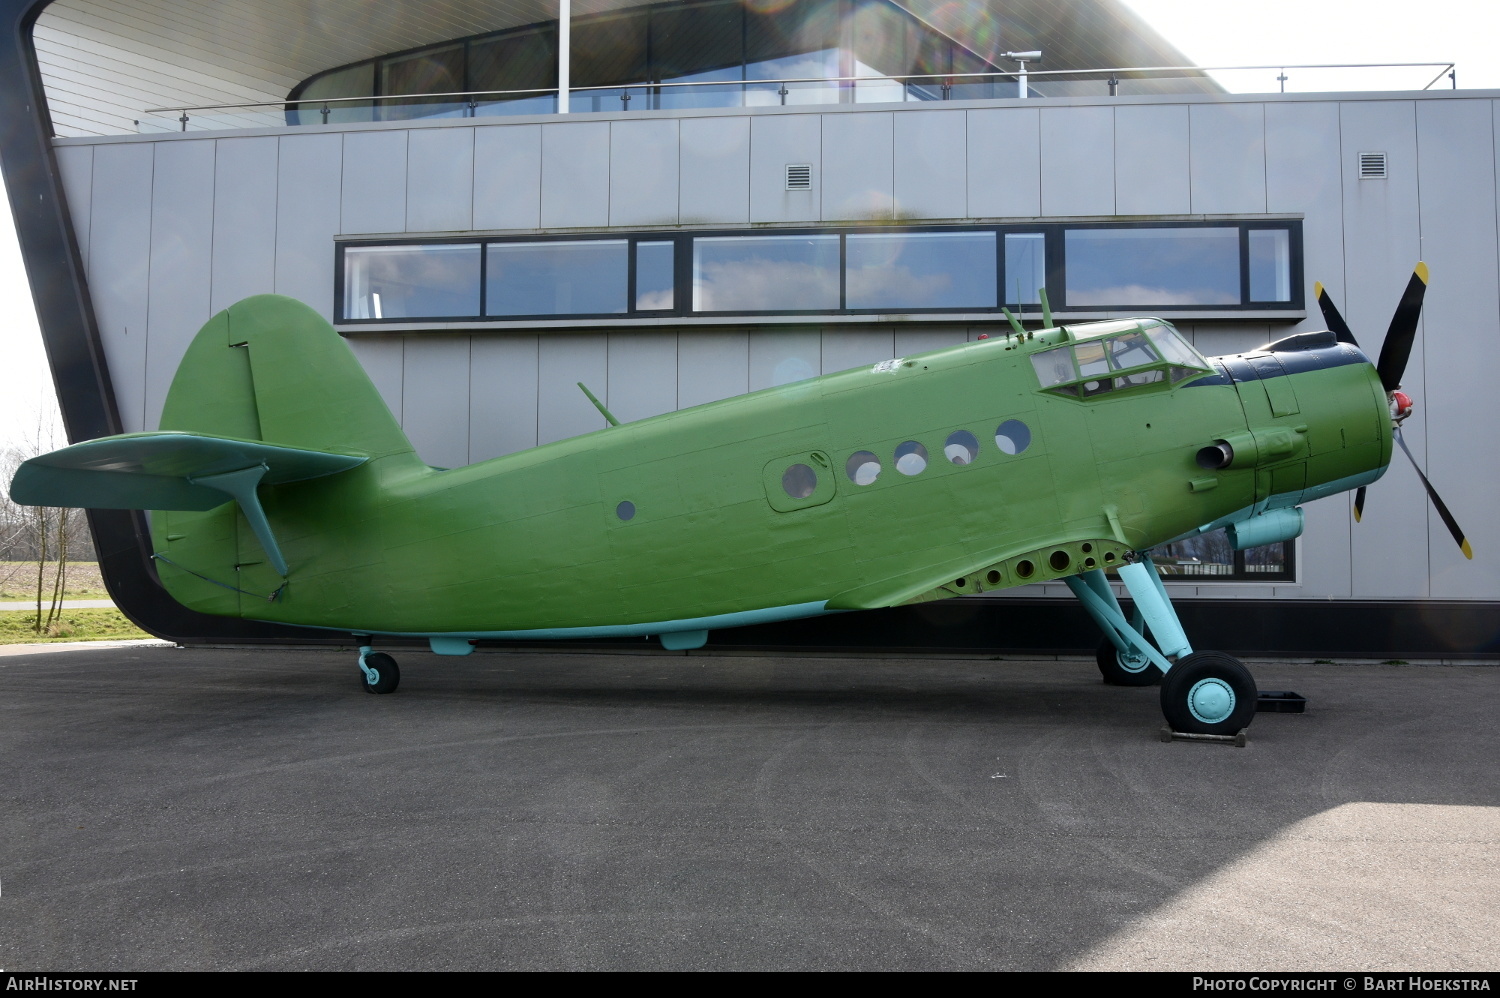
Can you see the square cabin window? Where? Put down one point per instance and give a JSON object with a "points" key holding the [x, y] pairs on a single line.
{"points": [[1270, 265], [1152, 266], [917, 270], [411, 282], [766, 273], [565, 277]]}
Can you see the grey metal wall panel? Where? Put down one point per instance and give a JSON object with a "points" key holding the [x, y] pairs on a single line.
{"points": [[575, 174], [1303, 175], [383, 358], [1382, 241], [244, 223], [374, 192], [440, 180], [643, 159], [309, 176], [845, 348], [182, 215], [562, 362], [1004, 156], [1460, 340], [119, 268], [858, 158], [1078, 163], [910, 341], [1151, 160], [435, 398], [76, 163], [931, 152], [502, 394], [777, 140], [508, 177], [782, 356], [642, 375], [714, 171], [1228, 158], [711, 366]]}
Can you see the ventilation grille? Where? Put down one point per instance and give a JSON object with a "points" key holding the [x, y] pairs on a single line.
{"points": [[799, 176], [1372, 166]]}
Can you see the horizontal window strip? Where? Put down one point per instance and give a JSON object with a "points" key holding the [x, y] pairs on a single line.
{"points": [[1180, 267]]}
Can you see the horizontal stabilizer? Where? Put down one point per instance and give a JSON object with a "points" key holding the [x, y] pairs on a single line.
{"points": [[162, 471]]}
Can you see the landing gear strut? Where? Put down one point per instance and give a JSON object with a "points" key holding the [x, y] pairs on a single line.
{"points": [[1207, 692], [377, 671]]}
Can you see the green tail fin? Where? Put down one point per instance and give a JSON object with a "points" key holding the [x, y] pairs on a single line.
{"points": [[269, 368]]}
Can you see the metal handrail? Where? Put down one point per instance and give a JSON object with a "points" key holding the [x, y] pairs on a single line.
{"points": [[1447, 69]]}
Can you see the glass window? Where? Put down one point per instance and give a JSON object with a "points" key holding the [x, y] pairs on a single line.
{"points": [[626, 510], [800, 481], [431, 71], [352, 81], [1130, 350], [1025, 267], [653, 276], [1270, 265], [765, 273], [1153, 266], [702, 42], [1013, 436], [900, 270], [962, 447], [515, 62], [862, 467], [792, 42], [1053, 367], [411, 282], [1211, 556], [1173, 347], [911, 458], [1091, 358], [584, 277]]}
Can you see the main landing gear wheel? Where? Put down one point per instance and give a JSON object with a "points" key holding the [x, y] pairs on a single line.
{"points": [[1120, 668], [1208, 693], [383, 676]]}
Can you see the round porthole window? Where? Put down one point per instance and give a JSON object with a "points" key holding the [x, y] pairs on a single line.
{"points": [[962, 447], [862, 468], [1013, 436], [911, 458], [799, 481], [626, 510]]}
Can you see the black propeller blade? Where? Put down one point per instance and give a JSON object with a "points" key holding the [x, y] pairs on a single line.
{"points": [[1359, 504], [1452, 524], [1396, 350], [1331, 315]]}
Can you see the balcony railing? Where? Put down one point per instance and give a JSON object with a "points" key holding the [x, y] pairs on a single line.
{"points": [[728, 94]]}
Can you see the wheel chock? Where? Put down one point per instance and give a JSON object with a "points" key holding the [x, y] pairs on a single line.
{"points": [[1238, 739], [1280, 702]]}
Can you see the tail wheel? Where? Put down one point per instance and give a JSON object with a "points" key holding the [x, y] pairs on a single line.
{"points": [[1208, 693], [385, 676], [1121, 668]]}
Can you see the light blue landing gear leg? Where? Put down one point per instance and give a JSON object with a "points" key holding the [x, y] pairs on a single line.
{"points": [[1202, 693], [377, 670]]}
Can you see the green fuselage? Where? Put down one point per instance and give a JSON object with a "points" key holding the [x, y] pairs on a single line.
{"points": [[537, 539]]}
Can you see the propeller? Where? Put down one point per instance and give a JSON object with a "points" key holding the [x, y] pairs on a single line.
{"points": [[1394, 354]]}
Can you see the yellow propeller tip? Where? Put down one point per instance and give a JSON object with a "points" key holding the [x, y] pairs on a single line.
{"points": [[1421, 271], [1358, 518], [1468, 551], [1317, 289]]}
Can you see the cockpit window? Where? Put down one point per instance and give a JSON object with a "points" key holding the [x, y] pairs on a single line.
{"points": [[1091, 359], [1053, 367], [1130, 350], [1176, 349]]}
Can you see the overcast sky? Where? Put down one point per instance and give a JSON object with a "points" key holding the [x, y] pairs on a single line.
{"points": [[1208, 32]]}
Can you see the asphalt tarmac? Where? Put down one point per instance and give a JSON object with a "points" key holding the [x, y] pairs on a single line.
{"points": [[173, 809]]}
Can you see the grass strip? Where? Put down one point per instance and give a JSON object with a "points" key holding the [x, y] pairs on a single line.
{"points": [[74, 625]]}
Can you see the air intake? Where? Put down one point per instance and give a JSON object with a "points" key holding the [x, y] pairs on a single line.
{"points": [[1372, 166], [799, 176]]}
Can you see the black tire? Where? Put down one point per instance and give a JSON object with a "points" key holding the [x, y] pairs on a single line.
{"points": [[387, 675], [1208, 693], [1118, 672]]}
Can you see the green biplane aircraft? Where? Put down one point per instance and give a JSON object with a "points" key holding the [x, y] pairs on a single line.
{"points": [[285, 491]]}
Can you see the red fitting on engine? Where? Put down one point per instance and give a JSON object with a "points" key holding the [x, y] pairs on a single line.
{"points": [[1401, 405]]}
